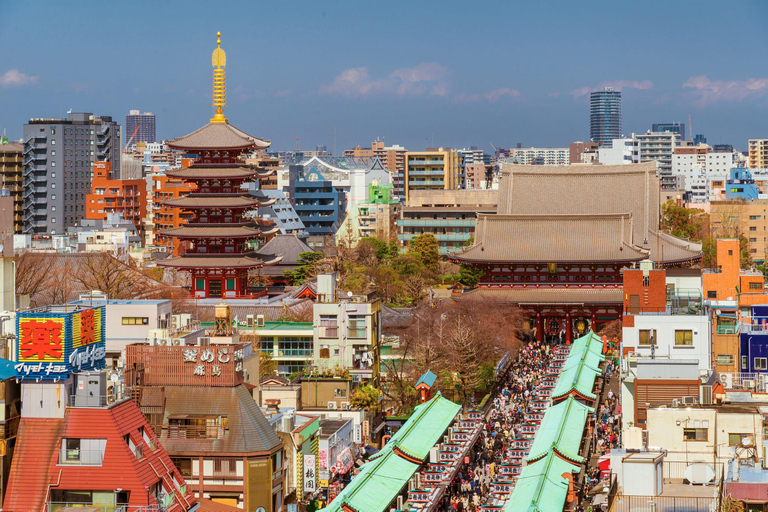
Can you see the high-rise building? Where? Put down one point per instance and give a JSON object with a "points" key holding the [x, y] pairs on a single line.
{"points": [[110, 196], [433, 169], [605, 116], [541, 156], [699, 138], [660, 146], [139, 127], [11, 174], [758, 153], [670, 127], [59, 155]]}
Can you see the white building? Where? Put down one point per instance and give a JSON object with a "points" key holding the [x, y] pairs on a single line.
{"points": [[660, 146], [622, 151], [540, 156], [673, 336]]}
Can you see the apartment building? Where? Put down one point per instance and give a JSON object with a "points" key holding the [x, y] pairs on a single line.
{"points": [[449, 215], [758, 153], [541, 156], [373, 218], [167, 217], [660, 146], [11, 173], [126, 198], [59, 156], [728, 219], [433, 169], [392, 157]]}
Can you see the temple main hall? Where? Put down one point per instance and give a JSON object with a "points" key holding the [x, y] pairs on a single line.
{"points": [[560, 239]]}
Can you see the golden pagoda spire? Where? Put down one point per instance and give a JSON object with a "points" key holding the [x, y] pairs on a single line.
{"points": [[219, 62]]}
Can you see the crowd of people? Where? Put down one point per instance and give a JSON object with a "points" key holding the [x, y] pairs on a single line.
{"points": [[512, 394]]}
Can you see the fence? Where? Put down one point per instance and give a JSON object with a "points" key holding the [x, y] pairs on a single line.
{"points": [[664, 504], [675, 470]]}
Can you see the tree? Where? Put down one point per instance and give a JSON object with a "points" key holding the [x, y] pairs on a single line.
{"points": [[309, 263], [680, 221], [365, 397], [267, 365], [470, 275], [426, 246]]}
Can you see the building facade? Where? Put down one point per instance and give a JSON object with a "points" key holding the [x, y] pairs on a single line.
{"points": [[11, 173], [758, 153], [433, 169], [659, 147], [604, 116], [541, 156], [670, 127], [59, 157], [126, 198], [139, 127]]}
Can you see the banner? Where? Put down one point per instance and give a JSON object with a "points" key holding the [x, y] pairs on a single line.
{"points": [[310, 473]]}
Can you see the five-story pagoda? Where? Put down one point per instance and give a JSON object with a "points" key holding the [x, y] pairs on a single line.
{"points": [[219, 230]]}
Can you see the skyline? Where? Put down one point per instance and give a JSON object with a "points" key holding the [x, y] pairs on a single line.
{"points": [[504, 75]]}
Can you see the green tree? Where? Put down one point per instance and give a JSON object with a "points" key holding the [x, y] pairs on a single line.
{"points": [[267, 365], [426, 246], [745, 258], [379, 248], [680, 221], [470, 275], [308, 265], [365, 397]]}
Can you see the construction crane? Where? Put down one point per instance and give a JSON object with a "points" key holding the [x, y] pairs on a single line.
{"points": [[131, 139]]}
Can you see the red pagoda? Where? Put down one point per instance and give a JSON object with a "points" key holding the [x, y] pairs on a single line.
{"points": [[219, 228]]}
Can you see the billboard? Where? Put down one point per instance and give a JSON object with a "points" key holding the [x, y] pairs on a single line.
{"points": [[51, 345]]}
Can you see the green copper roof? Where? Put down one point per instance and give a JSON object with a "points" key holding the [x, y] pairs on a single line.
{"points": [[581, 368], [541, 486], [379, 482], [561, 429], [424, 428]]}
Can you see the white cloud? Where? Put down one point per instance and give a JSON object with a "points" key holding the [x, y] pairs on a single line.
{"points": [[712, 90], [426, 78], [617, 86], [15, 78], [497, 94]]}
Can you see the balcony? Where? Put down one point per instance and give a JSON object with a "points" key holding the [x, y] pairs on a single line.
{"points": [[55, 506], [190, 431], [79, 457], [359, 332], [470, 223], [329, 332], [728, 329], [295, 352]]}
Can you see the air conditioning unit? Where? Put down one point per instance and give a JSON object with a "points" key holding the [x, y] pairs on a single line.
{"points": [[259, 320], [163, 342], [749, 384], [400, 502], [249, 320], [689, 400], [344, 406], [332, 406], [203, 341], [706, 395], [726, 379], [675, 402], [177, 342]]}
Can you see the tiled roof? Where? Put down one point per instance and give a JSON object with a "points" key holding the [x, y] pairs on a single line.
{"points": [[248, 431], [541, 486], [213, 201], [203, 172], [581, 368], [218, 136], [12, 147], [562, 429], [546, 295], [250, 260], [427, 378], [36, 445], [215, 231], [288, 246], [553, 238], [207, 505]]}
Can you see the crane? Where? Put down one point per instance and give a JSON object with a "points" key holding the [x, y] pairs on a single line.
{"points": [[132, 136]]}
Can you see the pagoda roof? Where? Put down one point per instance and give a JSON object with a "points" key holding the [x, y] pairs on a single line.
{"points": [[249, 230], [199, 172], [218, 136], [553, 239], [221, 260], [193, 201], [543, 296]]}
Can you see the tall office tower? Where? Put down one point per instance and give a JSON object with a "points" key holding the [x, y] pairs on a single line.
{"points": [[58, 166], [670, 127], [605, 116], [699, 138], [142, 124]]}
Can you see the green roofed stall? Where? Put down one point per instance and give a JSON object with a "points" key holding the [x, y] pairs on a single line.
{"points": [[377, 485], [424, 428], [561, 430], [581, 368], [386, 473], [541, 486]]}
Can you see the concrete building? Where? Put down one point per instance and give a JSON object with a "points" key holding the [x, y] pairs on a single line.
{"points": [[347, 332], [433, 169], [540, 156], [670, 127], [577, 149], [290, 344], [283, 214], [59, 156], [126, 198], [449, 215], [758, 153], [660, 146], [728, 219], [11, 173], [319, 204], [604, 116], [620, 152], [373, 218], [391, 157], [139, 127]]}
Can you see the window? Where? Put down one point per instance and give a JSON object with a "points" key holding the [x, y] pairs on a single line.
{"points": [[683, 338], [752, 240], [199, 284], [72, 447], [755, 286], [695, 434], [340, 393], [135, 320], [647, 337], [328, 326], [711, 294], [730, 252], [184, 466], [357, 326], [646, 280], [230, 284], [735, 439], [725, 359], [760, 363], [325, 352]]}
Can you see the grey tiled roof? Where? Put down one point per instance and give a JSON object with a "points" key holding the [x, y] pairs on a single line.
{"points": [[218, 136]]}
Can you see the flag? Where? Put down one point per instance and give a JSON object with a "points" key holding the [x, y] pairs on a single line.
{"points": [[4, 141]]}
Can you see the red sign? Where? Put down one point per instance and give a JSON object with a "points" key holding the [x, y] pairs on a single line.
{"points": [[87, 327], [41, 340]]}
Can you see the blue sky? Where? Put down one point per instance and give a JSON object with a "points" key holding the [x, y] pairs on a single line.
{"points": [[413, 73]]}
